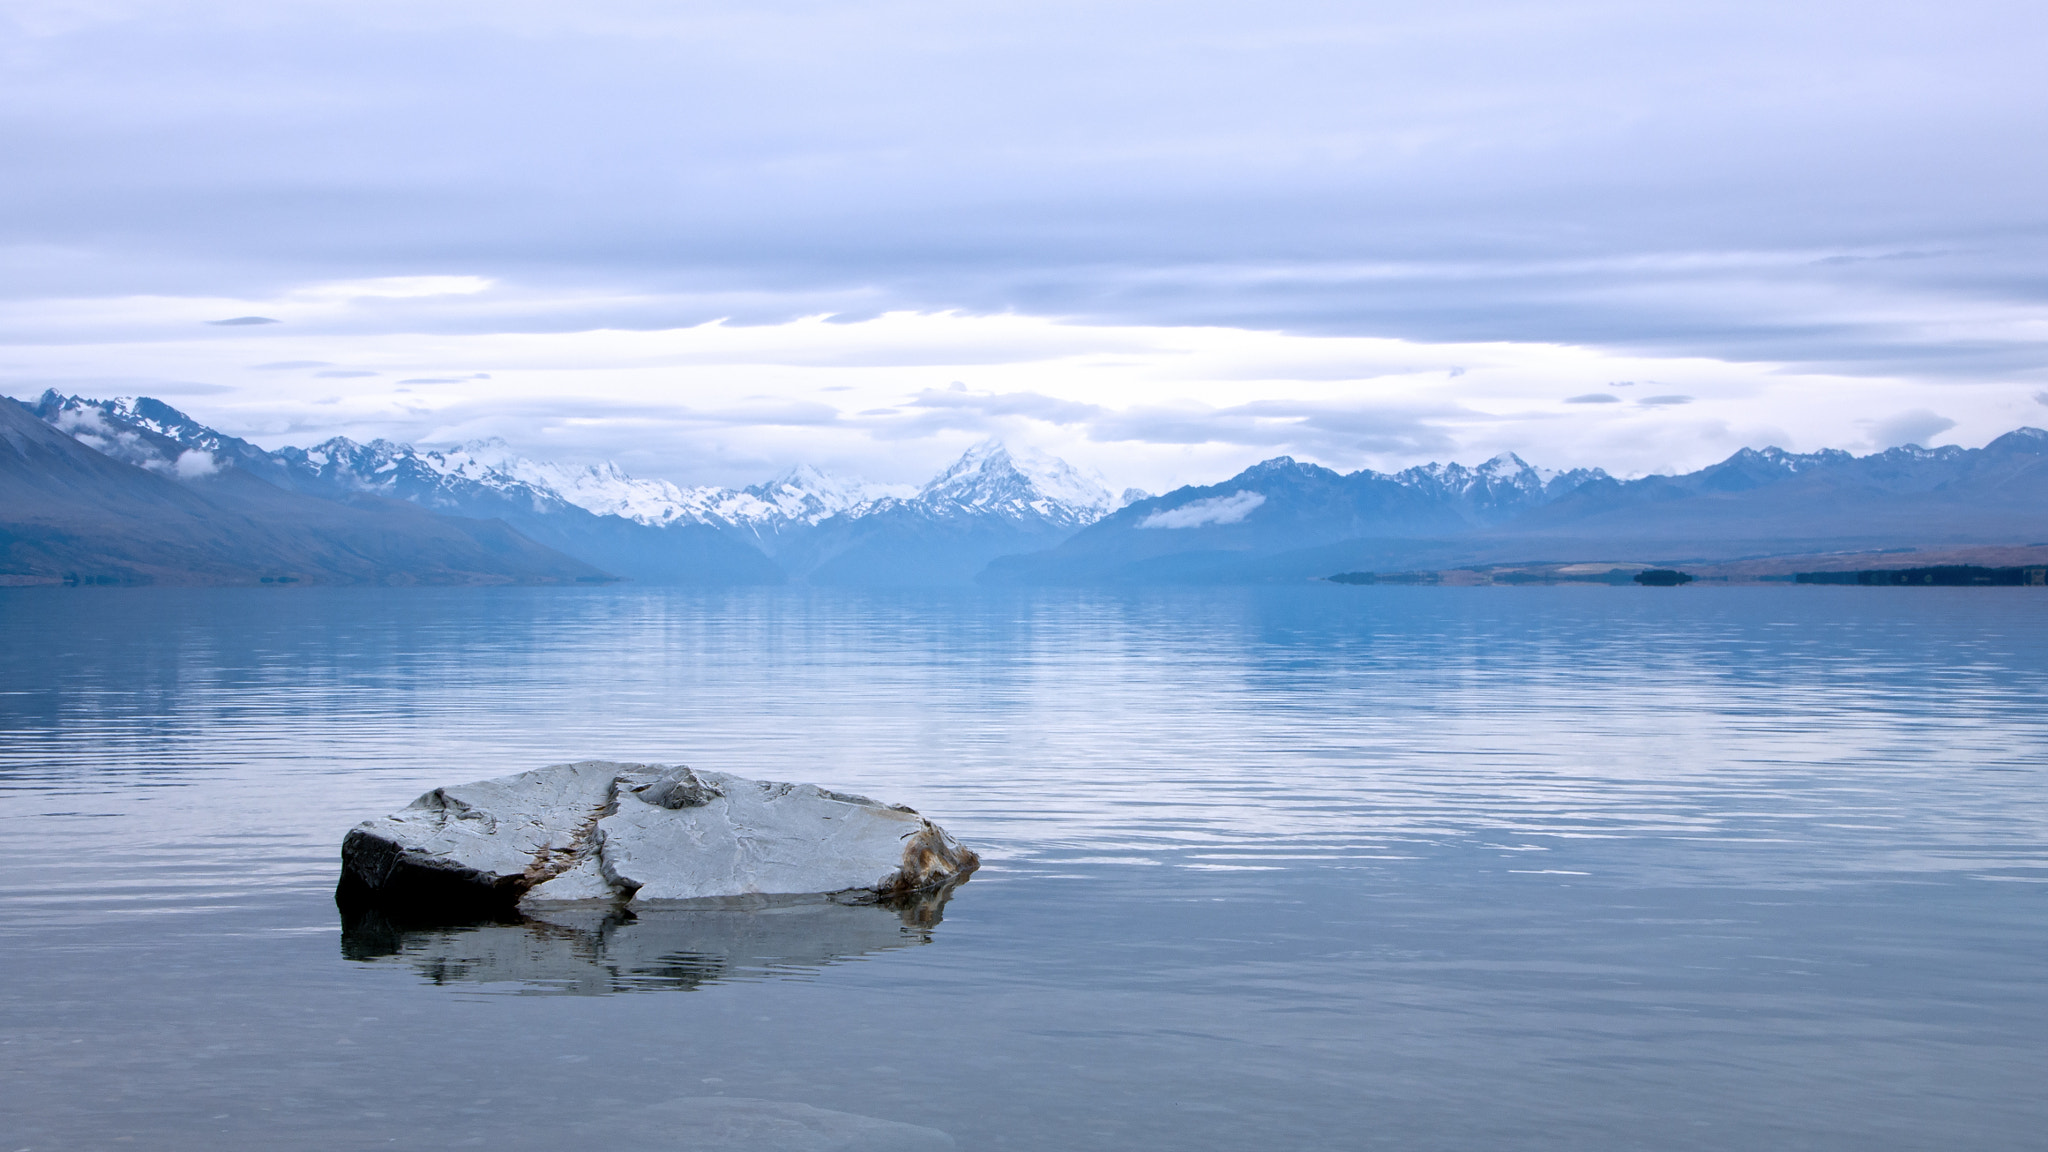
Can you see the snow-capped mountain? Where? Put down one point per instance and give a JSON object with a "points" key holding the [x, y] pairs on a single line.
{"points": [[108, 494], [648, 529], [801, 496], [434, 479], [146, 433], [990, 480], [1020, 517], [803, 524], [453, 483], [1284, 520], [601, 489], [989, 503], [1497, 489]]}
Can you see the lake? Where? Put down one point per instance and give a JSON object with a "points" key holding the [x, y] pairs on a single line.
{"points": [[1265, 868]]}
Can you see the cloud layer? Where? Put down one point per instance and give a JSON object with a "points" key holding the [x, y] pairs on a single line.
{"points": [[1712, 199], [896, 397]]}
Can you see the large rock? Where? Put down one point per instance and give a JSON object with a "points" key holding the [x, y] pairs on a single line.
{"points": [[641, 834]]}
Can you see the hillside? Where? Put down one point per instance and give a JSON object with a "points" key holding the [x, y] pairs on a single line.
{"points": [[69, 512]]}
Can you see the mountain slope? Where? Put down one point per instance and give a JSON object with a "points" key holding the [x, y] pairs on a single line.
{"points": [[69, 511]]}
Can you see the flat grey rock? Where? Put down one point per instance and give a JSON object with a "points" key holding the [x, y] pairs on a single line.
{"points": [[642, 835]]}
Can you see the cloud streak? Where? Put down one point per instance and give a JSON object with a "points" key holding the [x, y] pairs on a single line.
{"points": [[1214, 510]]}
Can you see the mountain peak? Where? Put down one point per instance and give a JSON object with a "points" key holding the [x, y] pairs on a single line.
{"points": [[988, 477], [803, 493], [988, 456], [138, 430], [806, 476], [2023, 439]]}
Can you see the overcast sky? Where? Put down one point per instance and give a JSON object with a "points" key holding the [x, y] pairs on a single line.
{"points": [[1164, 240]]}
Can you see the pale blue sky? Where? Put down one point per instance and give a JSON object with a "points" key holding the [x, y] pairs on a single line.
{"points": [[1161, 239]]}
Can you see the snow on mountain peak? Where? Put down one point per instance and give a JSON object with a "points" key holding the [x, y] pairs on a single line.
{"points": [[802, 494], [805, 493], [147, 433], [990, 478], [603, 489], [1504, 482]]}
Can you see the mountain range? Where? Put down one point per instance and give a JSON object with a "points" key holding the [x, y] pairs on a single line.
{"points": [[802, 525], [130, 490], [1283, 519], [69, 511]]}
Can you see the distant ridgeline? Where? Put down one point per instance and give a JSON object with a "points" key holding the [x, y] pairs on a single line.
{"points": [[1283, 520], [1652, 577], [1941, 576], [1647, 577], [135, 491], [342, 511]]}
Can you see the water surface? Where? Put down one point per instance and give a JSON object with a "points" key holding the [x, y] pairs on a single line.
{"points": [[1318, 867]]}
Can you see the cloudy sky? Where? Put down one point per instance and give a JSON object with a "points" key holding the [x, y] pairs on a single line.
{"points": [[1163, 240]]}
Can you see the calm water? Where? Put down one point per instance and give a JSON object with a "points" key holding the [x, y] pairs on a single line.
{"points": [[1302, 868]]}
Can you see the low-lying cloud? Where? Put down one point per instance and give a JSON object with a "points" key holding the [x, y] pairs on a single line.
{"points": [[194, 463], [1915, 427], [1213, 510]]}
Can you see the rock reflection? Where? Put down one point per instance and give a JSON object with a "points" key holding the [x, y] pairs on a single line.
{"points": [[599, 951]]}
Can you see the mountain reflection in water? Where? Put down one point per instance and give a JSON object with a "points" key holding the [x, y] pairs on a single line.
{"points": [[598, 951]]}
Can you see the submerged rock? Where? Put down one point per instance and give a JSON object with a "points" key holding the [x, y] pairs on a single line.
{"points": [[639, 834]]}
